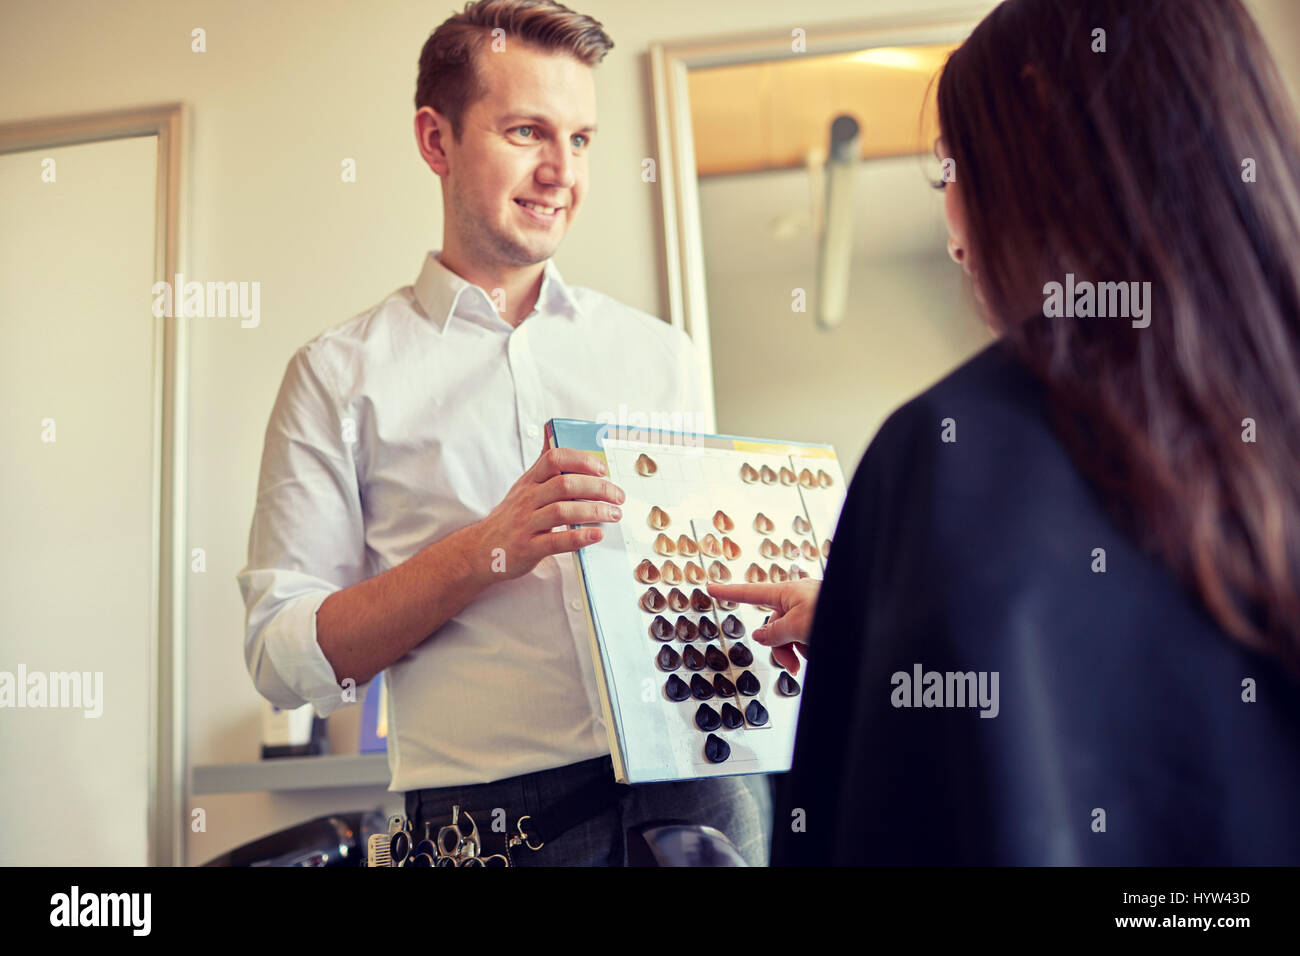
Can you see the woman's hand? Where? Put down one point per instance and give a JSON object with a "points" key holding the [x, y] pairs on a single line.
{"points": [[793, 604]]}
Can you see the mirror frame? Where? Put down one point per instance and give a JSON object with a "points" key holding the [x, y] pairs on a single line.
{"points": [[670, 63]]}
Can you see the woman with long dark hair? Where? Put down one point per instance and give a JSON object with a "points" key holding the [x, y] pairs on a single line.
{"points": [[1061, 622]]}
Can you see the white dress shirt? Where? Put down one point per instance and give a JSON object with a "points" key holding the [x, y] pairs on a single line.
{"points": [[406, 423]]}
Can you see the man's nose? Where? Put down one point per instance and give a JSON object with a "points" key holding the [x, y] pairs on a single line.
{"points": [[558, 168]]}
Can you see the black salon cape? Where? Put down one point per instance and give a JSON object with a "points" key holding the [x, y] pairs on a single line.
{"points": [[1117, 692]]}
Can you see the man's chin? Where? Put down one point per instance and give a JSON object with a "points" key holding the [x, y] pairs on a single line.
{"points": [[529, 253]]}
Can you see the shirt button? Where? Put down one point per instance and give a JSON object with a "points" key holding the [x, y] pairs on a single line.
{"points": [[533, 431], [576, 604]]}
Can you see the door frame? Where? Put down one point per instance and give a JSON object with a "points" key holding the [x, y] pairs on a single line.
{"points": [[168, 741]]}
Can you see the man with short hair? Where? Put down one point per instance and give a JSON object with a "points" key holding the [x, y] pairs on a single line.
{"points": [[404, 520]]}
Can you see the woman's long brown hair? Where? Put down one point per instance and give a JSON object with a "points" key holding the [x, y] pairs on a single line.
{"points": [[1133, 164]]}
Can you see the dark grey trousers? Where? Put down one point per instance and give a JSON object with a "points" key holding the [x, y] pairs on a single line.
{"points": [[740, 806]]}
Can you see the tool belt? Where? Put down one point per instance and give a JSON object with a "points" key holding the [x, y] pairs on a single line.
{"points": [[472, 836]]}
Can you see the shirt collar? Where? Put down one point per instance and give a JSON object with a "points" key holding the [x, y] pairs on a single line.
{"points": [[442, 293]]}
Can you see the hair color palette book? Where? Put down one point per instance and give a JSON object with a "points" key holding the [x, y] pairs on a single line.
{"points": [[686, 692]]}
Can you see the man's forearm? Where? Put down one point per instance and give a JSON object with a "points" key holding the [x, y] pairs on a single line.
{"points": [[364, 628]]}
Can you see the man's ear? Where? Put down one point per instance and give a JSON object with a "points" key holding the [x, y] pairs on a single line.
{"points": [[431, 130]]}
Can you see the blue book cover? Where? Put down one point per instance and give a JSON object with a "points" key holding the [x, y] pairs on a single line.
{"points": [[374, 718]]}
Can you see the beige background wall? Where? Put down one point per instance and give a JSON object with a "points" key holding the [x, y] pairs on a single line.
{"points": [[285, 92]]}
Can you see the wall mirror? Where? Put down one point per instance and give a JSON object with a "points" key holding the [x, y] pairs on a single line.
{"points": [[810, 268]]}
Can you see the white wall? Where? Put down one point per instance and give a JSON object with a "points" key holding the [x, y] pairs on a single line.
{"points": [[908, 318], [777, 376], [286, 91]]}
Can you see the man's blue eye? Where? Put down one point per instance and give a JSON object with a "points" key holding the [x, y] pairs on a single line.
{"points": [[523, 127], [581, 137]]}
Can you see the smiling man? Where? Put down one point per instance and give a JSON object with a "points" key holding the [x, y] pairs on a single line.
{"points": [[406, 508]]}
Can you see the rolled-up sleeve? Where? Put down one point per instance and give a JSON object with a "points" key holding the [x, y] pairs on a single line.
{"points": [[307, 540]]}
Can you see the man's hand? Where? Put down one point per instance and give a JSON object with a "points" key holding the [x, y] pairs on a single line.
{"points": [[793, 603], [542, 499]]}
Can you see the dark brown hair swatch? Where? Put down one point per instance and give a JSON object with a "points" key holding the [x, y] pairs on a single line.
{"points": [[731, 717], [716, 749], [740, 655], [706, 718], [676, 688], [668, 659]]}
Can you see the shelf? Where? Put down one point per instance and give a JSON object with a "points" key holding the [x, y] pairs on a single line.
{"points": [[294, 773]]}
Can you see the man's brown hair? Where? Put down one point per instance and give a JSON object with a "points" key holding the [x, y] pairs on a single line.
{"points": [[449, 81]]}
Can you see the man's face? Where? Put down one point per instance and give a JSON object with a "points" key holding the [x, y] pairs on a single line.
{"points": [[525, 141]]}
